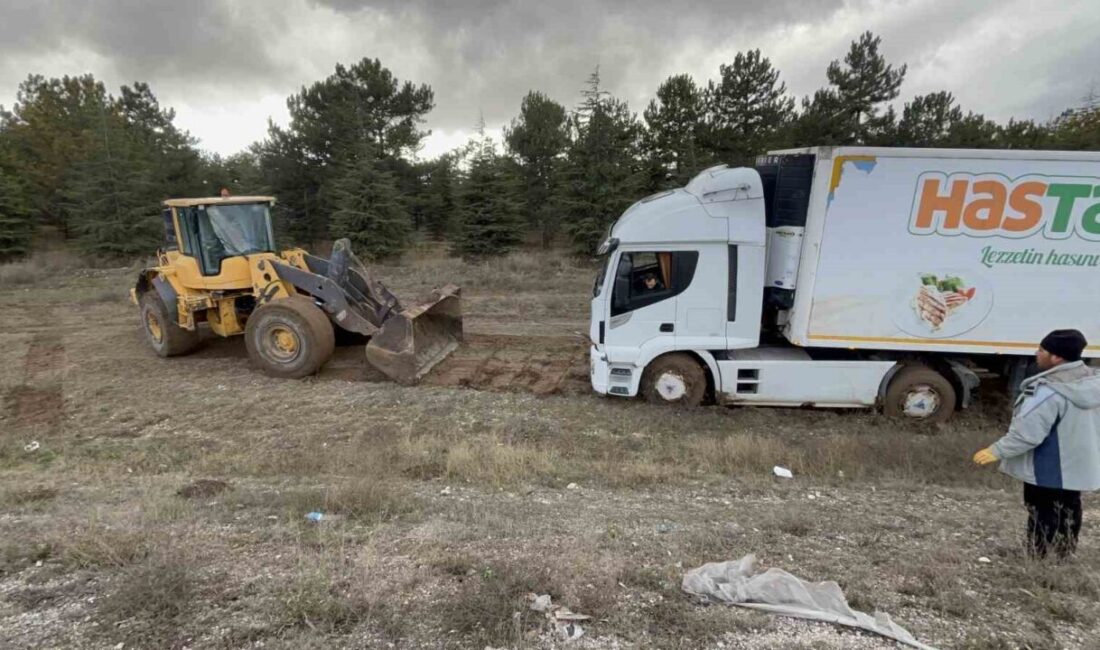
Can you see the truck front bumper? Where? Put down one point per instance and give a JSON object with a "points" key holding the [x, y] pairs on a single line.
{"points": [[619, 379], [597, 370]]}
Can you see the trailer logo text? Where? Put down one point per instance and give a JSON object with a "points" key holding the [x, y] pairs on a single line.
{"points": [[988, 205]]}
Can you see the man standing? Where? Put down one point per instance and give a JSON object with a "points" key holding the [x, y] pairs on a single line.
{"points": [[1053, 443]]}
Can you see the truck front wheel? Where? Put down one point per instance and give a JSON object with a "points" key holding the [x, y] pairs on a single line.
{"points": [[674, 379], [920, 393]]}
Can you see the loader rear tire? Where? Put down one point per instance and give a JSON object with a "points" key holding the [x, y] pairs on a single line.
{"points": [[675, 379], [918, 392], [289, 338], [162, 332]]}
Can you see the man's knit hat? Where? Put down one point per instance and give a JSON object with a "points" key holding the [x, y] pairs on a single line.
{"points": [[1068, 344]]}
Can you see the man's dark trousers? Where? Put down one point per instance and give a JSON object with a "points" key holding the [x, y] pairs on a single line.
{"points": [[1054, 520]]}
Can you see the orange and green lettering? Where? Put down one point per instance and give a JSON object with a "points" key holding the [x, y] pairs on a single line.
{"points": [[1067, 194], [931, 201], [1090, 221], [993, 206], [1030, 211]]}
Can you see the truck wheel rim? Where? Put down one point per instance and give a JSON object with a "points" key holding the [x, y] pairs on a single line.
{"points": [[153, 325], [921, 402], [671, 387], [282, 344]]}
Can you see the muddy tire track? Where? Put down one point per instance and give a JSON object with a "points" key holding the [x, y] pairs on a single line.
{"points": [[541, 365], [538, 365], [38, 401]]}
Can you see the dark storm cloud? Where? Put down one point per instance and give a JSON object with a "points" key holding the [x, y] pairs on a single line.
{"points": [[221, 60], [488, 53], [196, 41]]}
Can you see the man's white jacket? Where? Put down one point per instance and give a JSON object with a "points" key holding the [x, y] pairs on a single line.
{"points": [[1054, 438]]}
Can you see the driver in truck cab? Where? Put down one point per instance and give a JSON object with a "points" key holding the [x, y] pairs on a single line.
{"points": [[651, 283]]}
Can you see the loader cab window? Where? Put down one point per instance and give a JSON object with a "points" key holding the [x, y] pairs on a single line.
{"points": [[645, 278], [215, 232], [170, 243]]}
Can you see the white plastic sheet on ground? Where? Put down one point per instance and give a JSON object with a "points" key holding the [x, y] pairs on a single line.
{"points": [[779, 592]]}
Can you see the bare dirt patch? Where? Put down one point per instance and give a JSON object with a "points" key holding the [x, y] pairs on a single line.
{"points": [[38, 400], [449, 501], [538, 365], [31, 406]]}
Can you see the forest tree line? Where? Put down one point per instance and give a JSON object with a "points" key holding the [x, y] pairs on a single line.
{"points": [[91, 167]]}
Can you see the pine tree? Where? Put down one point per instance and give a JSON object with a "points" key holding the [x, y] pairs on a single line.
{"points": [[972, 131], [489, 220], [95, 166], [748, 110], [369, 210], [440, 204], [15, 217], [1079, 128], [603, 172], [822, 121], [112, 199], [927, 120], [1026, 134], [239, 173], [174, 163], [673, 140], [538, 139], [54, 125], [360, 104], [862, 84]]}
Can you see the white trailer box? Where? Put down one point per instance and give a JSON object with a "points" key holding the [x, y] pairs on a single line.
{"points": [[849, 276], [963, 251]]}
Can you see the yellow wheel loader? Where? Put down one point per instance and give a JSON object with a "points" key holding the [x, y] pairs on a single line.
{"points": [[219, 266]]}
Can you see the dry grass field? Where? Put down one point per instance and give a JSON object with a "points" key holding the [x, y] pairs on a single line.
{"points": [[160, 503]]}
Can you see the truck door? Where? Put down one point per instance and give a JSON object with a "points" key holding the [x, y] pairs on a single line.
{"points": [[642, 309], [701, 306]]}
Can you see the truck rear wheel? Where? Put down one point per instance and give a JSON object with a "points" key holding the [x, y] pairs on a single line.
{"points": [[674, 379], [162, 331], [920, 393], [289, 338]]}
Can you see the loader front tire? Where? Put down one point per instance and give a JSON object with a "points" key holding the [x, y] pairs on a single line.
{"points": [[162, 332], [289, 338]]}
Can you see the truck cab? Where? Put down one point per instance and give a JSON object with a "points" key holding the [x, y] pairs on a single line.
{"points": [[678, 304]]}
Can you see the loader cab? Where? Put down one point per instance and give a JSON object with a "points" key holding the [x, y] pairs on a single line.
{"points": [[214, 232]]}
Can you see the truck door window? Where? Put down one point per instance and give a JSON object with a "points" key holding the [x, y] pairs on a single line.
{"points": [[597, 286], [645, 278]]}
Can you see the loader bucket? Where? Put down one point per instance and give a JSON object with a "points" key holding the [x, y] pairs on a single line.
{"points": [[415, 339]]}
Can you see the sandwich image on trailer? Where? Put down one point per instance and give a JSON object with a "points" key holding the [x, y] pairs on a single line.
{"points": [[848, 277], [937, 299]]}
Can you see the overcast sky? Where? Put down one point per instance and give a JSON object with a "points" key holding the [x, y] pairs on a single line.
{"points": [[227, 66]]}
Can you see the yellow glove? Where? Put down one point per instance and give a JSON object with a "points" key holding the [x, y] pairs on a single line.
{"points": [[985, 456]]}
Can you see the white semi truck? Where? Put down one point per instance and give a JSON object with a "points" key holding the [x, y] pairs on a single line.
{"points": [[849, 277]]}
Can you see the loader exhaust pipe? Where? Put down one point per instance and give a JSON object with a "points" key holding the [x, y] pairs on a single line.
{"points": [[415, 339]]}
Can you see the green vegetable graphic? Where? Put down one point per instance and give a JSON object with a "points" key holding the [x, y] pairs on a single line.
{"points": [[951, 283]]}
